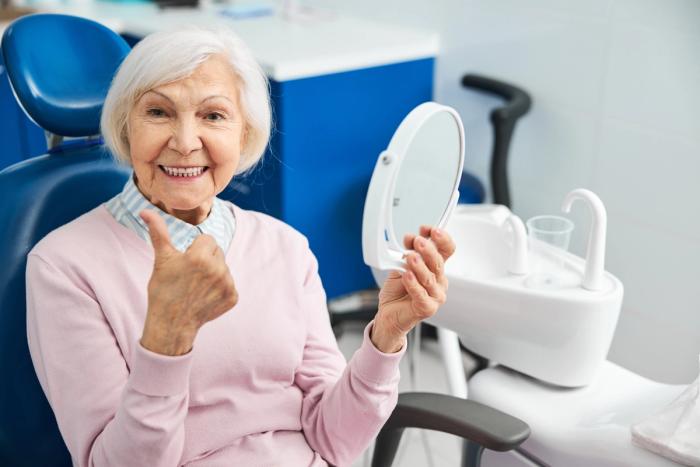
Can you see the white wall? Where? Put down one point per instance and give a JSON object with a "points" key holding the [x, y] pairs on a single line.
{"points": [[616, 89]]}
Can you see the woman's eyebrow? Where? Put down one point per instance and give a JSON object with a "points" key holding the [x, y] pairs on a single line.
{"points": [[160, 94], [214, 97]]}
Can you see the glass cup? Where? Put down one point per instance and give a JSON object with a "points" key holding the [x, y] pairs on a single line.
{"points": [[549, 236]]}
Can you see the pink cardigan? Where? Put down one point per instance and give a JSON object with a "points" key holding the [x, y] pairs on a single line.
{"points": [[265, 384]]}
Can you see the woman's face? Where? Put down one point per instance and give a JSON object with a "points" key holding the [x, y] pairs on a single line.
{"points": [[186, 138]]}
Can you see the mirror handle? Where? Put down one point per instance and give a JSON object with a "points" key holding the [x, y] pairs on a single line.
{"points": [[389, 260]]}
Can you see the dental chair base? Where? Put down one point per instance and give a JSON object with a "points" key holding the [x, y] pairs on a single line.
{"points": [[580, 427]]}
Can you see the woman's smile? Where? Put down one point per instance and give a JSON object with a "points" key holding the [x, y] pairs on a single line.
{"points": [[180, 174]]}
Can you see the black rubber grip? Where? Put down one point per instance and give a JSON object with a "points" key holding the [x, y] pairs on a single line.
{"points": [[518, 103], [483, 425]]}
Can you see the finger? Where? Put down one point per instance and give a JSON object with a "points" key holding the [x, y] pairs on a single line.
{"points": [[425, 230], [425, 276], [204, 244], [394, 275], [408, 239], [219, 253], [422, 302], [432, 258], [158, 231], [443, 241]]}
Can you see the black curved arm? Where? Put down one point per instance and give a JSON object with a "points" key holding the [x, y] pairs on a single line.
{"points": [[518, 103], [482, 426]]}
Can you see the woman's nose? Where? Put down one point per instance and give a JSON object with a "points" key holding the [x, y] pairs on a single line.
{"points": [[185, 138]]}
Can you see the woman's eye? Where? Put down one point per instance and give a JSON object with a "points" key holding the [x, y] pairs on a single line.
{"points": [[155, 112], [214, 116]]}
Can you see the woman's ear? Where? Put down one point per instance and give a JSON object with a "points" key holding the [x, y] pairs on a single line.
{"points": [[124, 134], [125, 146]]}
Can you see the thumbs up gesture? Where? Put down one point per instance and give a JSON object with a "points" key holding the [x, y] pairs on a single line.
{"points": [[185, 291]]}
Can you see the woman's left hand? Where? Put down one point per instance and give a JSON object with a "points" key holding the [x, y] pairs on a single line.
{"points": [[409, 298]]}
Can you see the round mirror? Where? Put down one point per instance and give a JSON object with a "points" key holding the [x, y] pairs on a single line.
{"points": [[415, 182]]}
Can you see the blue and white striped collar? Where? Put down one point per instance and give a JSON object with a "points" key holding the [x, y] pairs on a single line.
{"points": [[126, 206]]}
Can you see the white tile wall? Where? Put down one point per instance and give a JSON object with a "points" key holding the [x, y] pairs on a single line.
{"points": [[616, 86], [664, 15], [649, 176], [653, 78]]}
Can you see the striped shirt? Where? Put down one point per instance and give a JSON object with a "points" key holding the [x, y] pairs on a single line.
{"points": [[126, 206]]}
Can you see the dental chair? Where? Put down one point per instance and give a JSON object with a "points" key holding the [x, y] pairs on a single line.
{"points": [[575, 423], [60, 68]]}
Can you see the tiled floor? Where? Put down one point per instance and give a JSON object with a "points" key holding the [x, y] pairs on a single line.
{"points": [[444, 450]]}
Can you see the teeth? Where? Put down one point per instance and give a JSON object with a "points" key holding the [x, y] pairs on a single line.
{"points": [[180, 172]]}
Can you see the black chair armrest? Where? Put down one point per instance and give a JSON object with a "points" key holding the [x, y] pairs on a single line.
{"points": [[487, 427]]}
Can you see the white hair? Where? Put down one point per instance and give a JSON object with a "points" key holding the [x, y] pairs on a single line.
{"points": [[167, 56]]}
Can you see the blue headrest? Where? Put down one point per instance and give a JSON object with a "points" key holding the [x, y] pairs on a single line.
{"points": [[60, 68]]}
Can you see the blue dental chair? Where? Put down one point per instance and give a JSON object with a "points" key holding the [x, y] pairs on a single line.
{"points": [[60, 68]]}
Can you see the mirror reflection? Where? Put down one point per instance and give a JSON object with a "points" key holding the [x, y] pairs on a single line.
{"points": [[426, 178]]}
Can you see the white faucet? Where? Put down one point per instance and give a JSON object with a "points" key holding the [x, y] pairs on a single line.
{"points": [[595, 256], [518, 259]]}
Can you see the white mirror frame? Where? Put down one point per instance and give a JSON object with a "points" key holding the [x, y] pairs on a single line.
{"points": [[380, 247]]}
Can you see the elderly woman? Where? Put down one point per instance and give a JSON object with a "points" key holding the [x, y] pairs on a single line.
{"points": [[118, 299]]}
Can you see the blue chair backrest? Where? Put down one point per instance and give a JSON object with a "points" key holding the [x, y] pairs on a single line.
{"points": [[60, 68]]}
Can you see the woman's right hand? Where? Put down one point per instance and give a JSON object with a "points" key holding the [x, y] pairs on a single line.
{"points": [[186, 289]]}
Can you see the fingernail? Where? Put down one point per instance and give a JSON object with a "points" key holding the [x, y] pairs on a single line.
{"points": [[409, 275], [420, 241], [437, 232]]}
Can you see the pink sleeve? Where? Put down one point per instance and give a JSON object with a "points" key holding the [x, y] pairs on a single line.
{"points": [[107, 415], [344, 406]]}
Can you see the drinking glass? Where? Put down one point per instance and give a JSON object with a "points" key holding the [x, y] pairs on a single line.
{"points": [[549, 237]]}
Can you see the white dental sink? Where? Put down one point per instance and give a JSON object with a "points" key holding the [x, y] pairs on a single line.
{"points": [[560, 335]]}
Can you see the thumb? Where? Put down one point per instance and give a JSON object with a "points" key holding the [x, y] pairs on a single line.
{"points": [[158, 231], [392, 289]]}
